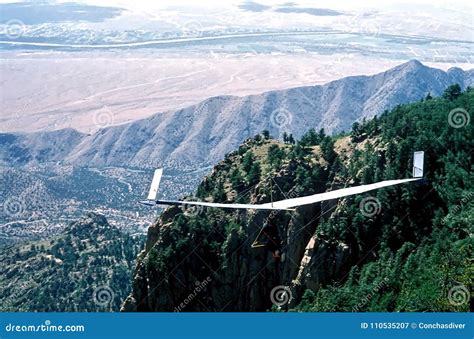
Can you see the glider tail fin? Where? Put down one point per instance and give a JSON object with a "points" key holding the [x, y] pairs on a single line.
{"points": [[418, 159], [155, 183]]}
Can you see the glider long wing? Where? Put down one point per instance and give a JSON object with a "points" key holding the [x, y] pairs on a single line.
{"points": [[288, 204], [343, 192]]}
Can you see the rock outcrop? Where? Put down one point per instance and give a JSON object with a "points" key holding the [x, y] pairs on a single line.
{"points": [[185, 248]]}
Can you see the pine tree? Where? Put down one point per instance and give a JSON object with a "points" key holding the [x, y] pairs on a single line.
{"points": [[310, 138], [356, 133], [247, 161], [275, 156], [327, 149], [253, 176], [291, 139], [452, 92], [236, 180]]}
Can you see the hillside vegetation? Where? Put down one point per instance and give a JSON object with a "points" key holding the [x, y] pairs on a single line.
{"points": [[86, 268], [404, 248]]}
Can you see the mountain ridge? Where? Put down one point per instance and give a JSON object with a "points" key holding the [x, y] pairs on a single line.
{"points": [[392, 243], [193, 137]]}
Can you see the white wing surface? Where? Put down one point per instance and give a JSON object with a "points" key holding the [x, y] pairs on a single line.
{"points": [[288, 204], [155, 183], [343, 192]]}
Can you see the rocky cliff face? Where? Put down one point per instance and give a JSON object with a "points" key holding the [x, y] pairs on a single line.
{"points": [[203, 260], [339, 252], [239, 279]]}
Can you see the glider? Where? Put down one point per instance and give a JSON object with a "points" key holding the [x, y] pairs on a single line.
{"points": [[287, 204]]}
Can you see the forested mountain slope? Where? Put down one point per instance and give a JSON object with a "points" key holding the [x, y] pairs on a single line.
{"points": [[84, 269], [404, 248]]}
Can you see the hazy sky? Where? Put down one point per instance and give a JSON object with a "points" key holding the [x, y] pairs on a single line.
{"points": [[462, 5], [367, 37]]}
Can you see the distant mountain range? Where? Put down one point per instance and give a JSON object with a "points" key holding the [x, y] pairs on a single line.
{"points": [[200, 135]]}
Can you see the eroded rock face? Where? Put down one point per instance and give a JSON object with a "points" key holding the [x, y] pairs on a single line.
{"points": [[203, 259], [322, 263], [236, 277]]}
